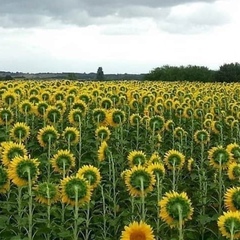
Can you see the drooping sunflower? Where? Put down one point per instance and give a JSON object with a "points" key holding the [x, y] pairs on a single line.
{"points": [[4, 180], [102, 151], [26, 107], [154, 158], [63, 161], [139, 181], [172, 205], [61, 106], [80, 105], [9, 98], [40, 108], [136, 158], [234, 149], [91, 174], [46, 193], [201, 136], [219, 157], [174, 159], [85, 97], [75, 188], [190, 163], [156, 123], [102, 133], [6, 116], [179, 132], [99, 116], [157, 169], [137, 231], [20, 132], [53, 114], [216, 126], [135, 119], [115, 117], [71, 135], [232, 199], [233, 171], [229, 224], [22, 169], [9, 150], [106, 103], [47, 135], [169, 125], [75, 117]]}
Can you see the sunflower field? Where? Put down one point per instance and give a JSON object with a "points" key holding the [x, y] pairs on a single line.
{"points": [[122, 160]]}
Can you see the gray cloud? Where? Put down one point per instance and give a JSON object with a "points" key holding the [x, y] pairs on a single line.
{"points": [[34, 13]]}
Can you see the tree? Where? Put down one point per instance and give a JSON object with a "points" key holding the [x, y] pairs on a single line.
{"points": [[100, 74], [229, 73]]}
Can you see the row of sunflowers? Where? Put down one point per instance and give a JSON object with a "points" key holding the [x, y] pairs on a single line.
{"points": [[121, 160]]}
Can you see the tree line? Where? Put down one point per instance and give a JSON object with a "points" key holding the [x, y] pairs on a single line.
{"points": [[226, 73]]}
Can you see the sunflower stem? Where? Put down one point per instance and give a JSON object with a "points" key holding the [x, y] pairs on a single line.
{"points": [[142, 199], [137, 138], [76, 207], [180, 221], [174, 177], [63, 204], [49, 156], [232, 230], [19, 201], [87, 232], [30, 206], [104, 214], [79, 143], [159, 196]]}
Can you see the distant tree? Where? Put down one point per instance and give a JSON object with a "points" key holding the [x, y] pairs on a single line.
{"points": [[72, 76], [228, 73], [100, 74]]}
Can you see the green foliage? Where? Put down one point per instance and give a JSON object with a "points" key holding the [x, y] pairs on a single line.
{"points": [[229, 73]]}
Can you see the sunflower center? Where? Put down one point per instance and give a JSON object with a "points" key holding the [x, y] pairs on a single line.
{"points": [[137, 236]]}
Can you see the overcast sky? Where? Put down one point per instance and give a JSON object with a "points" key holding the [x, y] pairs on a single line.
{"points": [[121, 36]]}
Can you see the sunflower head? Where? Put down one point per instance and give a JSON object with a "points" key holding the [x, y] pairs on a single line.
{"points": [[20, 132], [40, 108], [99, 116], [136, 158], [91, 174], [169, 125], [174, 159], [135, 119], [190, 164], [174, 204], [106, 103], [154, 158], [75, 116], [234, 149], [179, 132], [53, 114], [233, 171], [157, 169], [71, 135], [232, 199], [156, 123], [102, 151], [47, 135], [63, 161], [115, 117], [46, 193], [102, 133], [75, 189], [26, 107], [201, 136], [137, 231], [22, 170], [219, 157], [6, 116], [139, 181], [229, 224]]}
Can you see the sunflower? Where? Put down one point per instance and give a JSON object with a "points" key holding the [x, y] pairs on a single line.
{"points": [[4, 180], [61, 106], [154, 158], [159, 108], [9, 150], [173, 205], [136, 158], [6, 116], [216, 127], [62, 161], [91, 174], [179, 132], [139, 181], [188, 112], [70, 98], [190, 163], [47, 135], [219, 157], [229, 224], [85, 97], [45, 95], [232, 199], [234, 149], [135, 119], [102, 151], [20, 132], [26, 107], [71, 135], [174, 158], [46, 193], [53, 114], [106, 103], [9, 98], [22, 169], [75, 188], [75, 117], [40, 108], [201, 136], [169, 125], [137, 231], [156, 123], [233, 171], [102, 133], [157, 169], [115, 117], [80, 105], [99, 116], [34, 99]]}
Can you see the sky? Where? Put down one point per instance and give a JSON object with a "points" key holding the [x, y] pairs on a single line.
{"points": [[121, 36]]}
